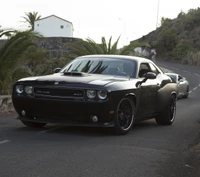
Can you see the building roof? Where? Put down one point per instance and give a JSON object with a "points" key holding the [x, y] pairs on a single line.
{"points": [[54, 16]]}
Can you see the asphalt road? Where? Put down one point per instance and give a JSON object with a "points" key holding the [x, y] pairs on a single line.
{"points": [[149, 150]]}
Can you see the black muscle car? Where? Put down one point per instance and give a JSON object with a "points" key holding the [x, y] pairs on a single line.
{"points": [[98, 90]]}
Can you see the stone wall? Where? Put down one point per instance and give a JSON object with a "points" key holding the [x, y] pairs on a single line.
{"points": [[55, 47], [6, 105]]}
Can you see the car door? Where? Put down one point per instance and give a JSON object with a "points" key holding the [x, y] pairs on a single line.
{"points": [[148, 91]]}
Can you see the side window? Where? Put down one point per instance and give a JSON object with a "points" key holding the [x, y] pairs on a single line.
{"points": [[179, 77], [154, 69], [144, 68]]}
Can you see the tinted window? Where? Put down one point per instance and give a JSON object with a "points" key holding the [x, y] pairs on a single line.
{"points": [[144, 68], [173, 76], [118, 67], [153, 69]]}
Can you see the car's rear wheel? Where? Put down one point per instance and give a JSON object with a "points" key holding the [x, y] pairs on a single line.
{"points": [[167, 117], [33, 124], [124, 116]]}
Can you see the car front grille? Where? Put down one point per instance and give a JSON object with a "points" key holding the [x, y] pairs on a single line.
{"points": [[58, 92]]}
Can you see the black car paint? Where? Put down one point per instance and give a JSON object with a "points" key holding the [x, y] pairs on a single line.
{"points": [[150, 97]]}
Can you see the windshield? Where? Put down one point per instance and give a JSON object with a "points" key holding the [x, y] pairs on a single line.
{"points": [[107, 66], [173, 76]]}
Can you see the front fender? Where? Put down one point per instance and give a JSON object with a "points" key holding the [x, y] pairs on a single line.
{"points": [[164, 95]]}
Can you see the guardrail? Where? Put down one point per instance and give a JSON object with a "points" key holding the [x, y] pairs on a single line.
{"points": [[6, 104]]}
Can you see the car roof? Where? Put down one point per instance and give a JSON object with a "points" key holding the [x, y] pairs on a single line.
{"points": [[124, 57]]}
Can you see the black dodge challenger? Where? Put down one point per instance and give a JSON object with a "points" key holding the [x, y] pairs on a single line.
{"points": [[100, 91]]}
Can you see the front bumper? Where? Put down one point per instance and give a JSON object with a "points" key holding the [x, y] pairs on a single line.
{"points": [[64, 111], [67, 122]]}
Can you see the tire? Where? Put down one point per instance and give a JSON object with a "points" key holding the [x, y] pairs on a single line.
{"points": [[167, 117], [124, 116], [33, 124]]}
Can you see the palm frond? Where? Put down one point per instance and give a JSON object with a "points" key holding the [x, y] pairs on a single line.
{"points": [[30, 18], [114, 47], [10, 56], [109, 45], [104, 45], [97, 48]]}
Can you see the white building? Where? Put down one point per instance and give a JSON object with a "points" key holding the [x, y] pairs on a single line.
{"points": [[53, 26]]}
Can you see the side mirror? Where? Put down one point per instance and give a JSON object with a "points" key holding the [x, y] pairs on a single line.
{"points": [[149, 75], [181, 80], [56, 70]]}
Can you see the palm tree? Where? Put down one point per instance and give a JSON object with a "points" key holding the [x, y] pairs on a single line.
{"points": [[30, 18], [89, 47], [7, 33], [129, 49], [10, 54]]}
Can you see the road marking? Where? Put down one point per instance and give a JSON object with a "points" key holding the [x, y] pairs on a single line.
{"points": [[190, 92], [186, 165], [194, 88], [187, 71], [51, 129], [196, 74], [4, 141], [176, 68]]}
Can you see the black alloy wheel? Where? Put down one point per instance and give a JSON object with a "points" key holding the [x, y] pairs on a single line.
{"points": [[124, 116], [172, 109], [167, 116]]}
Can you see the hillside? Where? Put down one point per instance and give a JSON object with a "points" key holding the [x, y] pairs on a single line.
{"points": [[177, 38]]}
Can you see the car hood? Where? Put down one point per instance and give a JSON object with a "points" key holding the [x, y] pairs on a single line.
{"points": [[93, 79]]}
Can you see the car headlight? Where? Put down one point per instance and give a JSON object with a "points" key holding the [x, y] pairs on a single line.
{"points": [[28, 89], [102, 94], [91, 94], [19, 89]]}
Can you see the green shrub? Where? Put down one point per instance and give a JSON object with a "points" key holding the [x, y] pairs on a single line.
{"points": [[168, 39], [192, 58], [181, 49]]}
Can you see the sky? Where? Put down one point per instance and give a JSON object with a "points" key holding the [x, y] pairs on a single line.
{"points": [[129, 19]]}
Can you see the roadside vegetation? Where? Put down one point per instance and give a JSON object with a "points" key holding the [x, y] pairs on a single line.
{"points": [[89, 46], [178, 39], [30, 18], [11, 53]]}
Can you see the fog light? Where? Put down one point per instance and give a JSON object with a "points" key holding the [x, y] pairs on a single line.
{"points": [[94, 118], [23, 113]]}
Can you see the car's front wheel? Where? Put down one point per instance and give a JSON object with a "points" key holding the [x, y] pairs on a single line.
{"points": [[33, 124], [124, 116], [167, 116]]}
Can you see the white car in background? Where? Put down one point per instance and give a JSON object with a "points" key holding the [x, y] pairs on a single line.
{"points": [[183, 84]]}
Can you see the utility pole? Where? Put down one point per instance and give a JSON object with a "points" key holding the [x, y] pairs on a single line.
{"points": [[158, 7]]}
